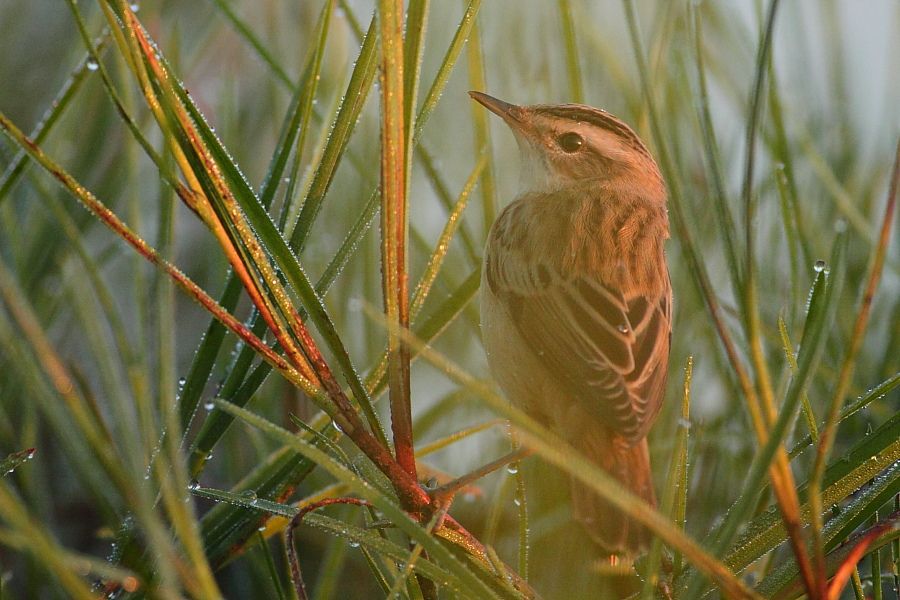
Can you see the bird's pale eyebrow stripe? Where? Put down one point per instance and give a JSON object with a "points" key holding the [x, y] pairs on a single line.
{"points": [[599, 118]]}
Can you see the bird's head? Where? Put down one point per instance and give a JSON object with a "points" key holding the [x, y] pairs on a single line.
{"points": [[569, 144]]}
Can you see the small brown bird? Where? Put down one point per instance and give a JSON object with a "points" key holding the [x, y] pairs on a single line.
{"points": [[576, 303]]}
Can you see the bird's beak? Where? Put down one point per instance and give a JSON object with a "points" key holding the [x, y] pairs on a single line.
{"points": [[513, 115]]}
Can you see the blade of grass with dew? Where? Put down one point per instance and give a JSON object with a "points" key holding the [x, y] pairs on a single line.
{"points": [[843, 477], [239, 390], [463, 31], [481, 127], [673, 486], [876, 494], [383, 547], [226, 527], [309, 83], [821, 312], [848, 364], [436, 259], [295, 121], [114, 223], [15, 460], [365, 490], [226, 210], [264, 228], [58, 106], [788, 348], [432, 326], [413, 49], [782, 583], [354, 99], [395, 226], [442, 191], [679, 513], [878, 392], [782, 477]]}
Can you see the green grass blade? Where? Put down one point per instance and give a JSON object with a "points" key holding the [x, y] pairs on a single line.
{"points": [[673, 488], [436, 551], [783, 582], [463, 31], [58, 106], [573, 62], [247, 34], [822, 308], [842, 478], [353, 100]]}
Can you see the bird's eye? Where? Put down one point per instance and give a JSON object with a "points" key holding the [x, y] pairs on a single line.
{"points": [[570, 142]]}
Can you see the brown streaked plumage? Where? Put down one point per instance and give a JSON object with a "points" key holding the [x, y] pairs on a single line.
{"points": [[576, 299]]}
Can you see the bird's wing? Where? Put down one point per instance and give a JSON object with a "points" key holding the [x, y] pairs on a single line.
{"points": [[608, 352]]}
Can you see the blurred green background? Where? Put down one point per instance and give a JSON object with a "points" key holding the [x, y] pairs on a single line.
{"points": [[835, 73]]}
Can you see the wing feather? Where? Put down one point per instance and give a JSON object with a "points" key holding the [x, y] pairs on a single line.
{"points": [[607, 351]]}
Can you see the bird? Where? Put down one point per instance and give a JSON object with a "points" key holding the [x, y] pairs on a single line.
{"points": [[576, 299]]}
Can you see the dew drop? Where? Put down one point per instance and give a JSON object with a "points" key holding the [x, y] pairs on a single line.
{"points": [[209, 405], [92, 65], [512, 469], [517, 502], [622, 328], [194, 485], [354, 544], [819, 266]]}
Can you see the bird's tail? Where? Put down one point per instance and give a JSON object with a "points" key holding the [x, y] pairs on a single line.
{"points": [[606, 524]]}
